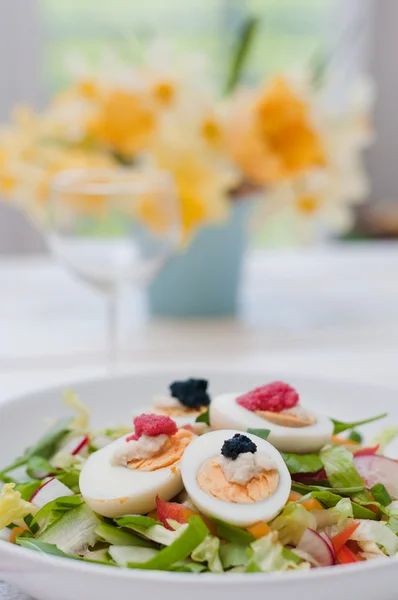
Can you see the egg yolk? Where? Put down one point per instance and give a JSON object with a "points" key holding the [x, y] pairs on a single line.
{"points": [[211, 479], [287, 419], [170, 454], [179, 411]]}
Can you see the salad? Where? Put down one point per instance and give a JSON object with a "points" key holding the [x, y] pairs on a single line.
{"points": [[241, 482]]}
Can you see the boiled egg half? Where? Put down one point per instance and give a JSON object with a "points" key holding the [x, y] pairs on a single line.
{"points": [[294, 430], [238, 478], [114, 483]]}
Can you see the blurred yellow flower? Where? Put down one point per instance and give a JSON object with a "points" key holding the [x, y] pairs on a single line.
{"points": [[203, 177], [124, 122], [164, 92], [272, 136]]}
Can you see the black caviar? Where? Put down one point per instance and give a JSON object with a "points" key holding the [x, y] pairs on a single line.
{"points": [[239, 444], [192, 392]]}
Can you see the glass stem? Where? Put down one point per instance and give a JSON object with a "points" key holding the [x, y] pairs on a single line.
{"points": [[112, 309]]}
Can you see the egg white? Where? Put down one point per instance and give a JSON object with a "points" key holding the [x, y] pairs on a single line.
{"points": [[113, 490], [226, 413], [243, 515]]}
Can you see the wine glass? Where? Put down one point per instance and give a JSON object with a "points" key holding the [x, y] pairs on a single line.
{"points": [[112, 226]]}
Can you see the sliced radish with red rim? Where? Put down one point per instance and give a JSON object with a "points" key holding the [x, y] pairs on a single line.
{"points": [[49, 491], [378, 469], [318, 547], [76, 445]]}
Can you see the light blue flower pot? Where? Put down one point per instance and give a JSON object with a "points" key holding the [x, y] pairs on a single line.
{"points": [[203, 280]]}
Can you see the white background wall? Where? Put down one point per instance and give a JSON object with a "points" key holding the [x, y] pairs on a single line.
{"points": [[19, 82]]}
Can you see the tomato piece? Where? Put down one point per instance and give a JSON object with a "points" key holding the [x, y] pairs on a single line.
{"points": [[367, 451], [180, 513], [345, 556], [341, 538]]}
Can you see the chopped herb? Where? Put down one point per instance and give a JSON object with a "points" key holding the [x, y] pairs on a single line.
{"points": [[340, 426]]}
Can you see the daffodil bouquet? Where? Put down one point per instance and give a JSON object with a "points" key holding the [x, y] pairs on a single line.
{"points": [[277, 138]]}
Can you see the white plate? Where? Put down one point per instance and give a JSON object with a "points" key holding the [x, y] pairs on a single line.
{"points": [[113, 401]]}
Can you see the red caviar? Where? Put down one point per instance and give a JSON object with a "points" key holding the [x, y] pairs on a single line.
{"points": [[273, 397], [152, 425]]}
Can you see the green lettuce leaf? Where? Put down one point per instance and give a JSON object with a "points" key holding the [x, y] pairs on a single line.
{"points": [[302, 463], [140, 521], [292, 522], [204, 417], [117, 537], [180, 549], [267, 555], [234, 534], [340, 426], [330, 500], [261, 433], [233, 555], [151, 529], [54, 510], [39, 467], [43, 547], [304, 488], [28, 488], [208, 552], [52, 550], [339, 466]]}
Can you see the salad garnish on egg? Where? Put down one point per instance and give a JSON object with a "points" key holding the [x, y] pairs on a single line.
{"points": [[187, 400]]}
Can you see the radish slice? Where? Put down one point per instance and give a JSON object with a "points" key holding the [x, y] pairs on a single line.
{"points": [[316, 546], [378, 469], [76, 445], [50, 490], [328, 540]]}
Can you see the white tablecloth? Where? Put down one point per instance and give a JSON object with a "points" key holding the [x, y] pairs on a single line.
{"points": [[329, 312]]}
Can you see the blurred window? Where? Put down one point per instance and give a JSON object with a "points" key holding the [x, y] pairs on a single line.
{"points": [[292, 32]]}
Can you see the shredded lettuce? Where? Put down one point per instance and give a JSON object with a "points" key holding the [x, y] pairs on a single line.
{"points": [[13, 508], [302, 463], [180, 549], [232, 533], [339, 466], [63, 460], [234, 555], [378, 532], [208, 552], [82, 419], [292, 523], [150, 529], [267, 555]]}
